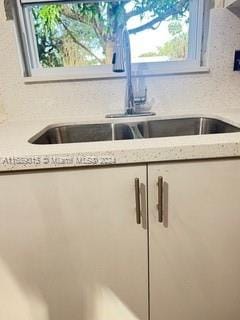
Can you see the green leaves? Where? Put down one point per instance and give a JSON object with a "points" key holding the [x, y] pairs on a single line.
{"points": [[175, 28], [49, 16]]}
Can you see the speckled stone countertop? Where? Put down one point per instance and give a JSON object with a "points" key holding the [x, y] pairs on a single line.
{"points": [[16, 153]]}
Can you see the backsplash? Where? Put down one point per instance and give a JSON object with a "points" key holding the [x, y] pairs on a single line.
{"points": [[217, 90], [2, 111]]}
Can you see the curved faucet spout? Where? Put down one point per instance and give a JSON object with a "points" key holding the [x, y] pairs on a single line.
{"points": [[122, 62]]}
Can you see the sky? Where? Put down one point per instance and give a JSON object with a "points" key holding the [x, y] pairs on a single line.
{"points": [[149, 40]]}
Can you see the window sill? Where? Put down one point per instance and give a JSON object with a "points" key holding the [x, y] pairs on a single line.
{"points": [[80, 76]]}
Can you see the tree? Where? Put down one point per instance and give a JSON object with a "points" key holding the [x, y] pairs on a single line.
{"points": [[47, 43], [87, 29], [176, 48]]}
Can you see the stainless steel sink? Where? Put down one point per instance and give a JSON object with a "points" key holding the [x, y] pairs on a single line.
{"points": [[184, 127], [68, 133], [74, 133]]}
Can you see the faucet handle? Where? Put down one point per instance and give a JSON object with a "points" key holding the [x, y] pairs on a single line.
{"points": [[139, 100]]}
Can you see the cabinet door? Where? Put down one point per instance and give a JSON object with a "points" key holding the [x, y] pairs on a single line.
{"points": [[195, 252], [70, 247]]}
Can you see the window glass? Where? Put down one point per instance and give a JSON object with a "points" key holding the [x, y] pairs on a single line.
{"points": [[82, 34]]}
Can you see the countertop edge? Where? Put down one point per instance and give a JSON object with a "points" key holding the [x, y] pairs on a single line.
{"points": [[120, 157], [17, 154]]}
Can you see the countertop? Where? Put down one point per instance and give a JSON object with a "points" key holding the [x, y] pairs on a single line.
{"points": [[16, 153]]}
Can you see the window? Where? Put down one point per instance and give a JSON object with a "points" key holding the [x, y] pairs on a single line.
{"points": [[77, 37]]}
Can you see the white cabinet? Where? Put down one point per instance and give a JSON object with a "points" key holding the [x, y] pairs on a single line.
{"points": [[195, 252], [70, 247]]}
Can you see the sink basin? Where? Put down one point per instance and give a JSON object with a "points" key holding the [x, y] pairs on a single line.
{"points": [[175, 127], [72, 133], [184, 127]]}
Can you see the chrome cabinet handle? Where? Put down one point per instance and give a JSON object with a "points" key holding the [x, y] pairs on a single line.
{"points": [[137, 198], [160, 199], [143, 202]]}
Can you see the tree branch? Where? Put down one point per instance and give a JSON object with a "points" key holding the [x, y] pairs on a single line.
{"points": [[77, 17], [72, 15], [143, 9], [150, 25], [70, 33]]}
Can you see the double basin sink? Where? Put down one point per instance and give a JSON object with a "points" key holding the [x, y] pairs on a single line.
{"points": [[73, 133]]}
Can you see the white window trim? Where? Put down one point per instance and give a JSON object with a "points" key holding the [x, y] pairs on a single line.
{"points": [[33, 73]]}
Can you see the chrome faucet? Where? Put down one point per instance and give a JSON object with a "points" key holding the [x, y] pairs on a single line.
{"points": [[122, 62]]}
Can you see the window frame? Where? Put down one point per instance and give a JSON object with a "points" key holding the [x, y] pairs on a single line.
{"points": [[34, 73]]}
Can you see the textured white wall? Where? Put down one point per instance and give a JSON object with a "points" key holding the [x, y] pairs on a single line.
{"points": [[220, 89]]}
